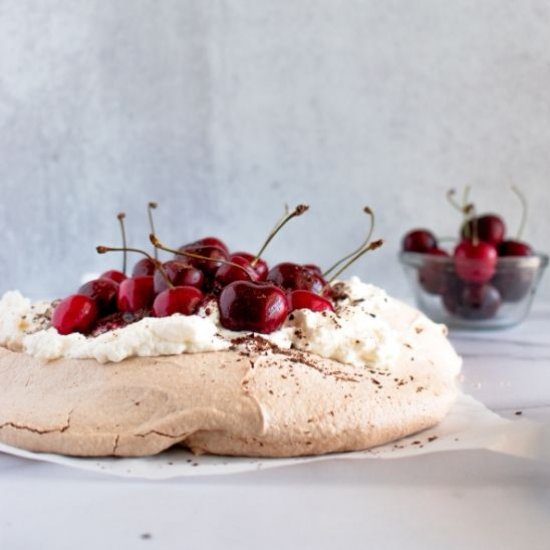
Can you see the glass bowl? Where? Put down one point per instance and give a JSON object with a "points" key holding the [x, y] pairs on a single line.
{"points": [[503, 301]]}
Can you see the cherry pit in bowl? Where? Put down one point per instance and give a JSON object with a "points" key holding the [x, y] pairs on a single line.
{"points": [[485, 280]]}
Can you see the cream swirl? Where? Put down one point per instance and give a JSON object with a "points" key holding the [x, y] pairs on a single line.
{"points": [[355, 333]]}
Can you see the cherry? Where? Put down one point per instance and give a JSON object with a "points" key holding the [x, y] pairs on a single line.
{"points": [[514, 282], [304, 299], [479, 302], [258, 307], [514, 248], [207, 241], [475, 262], [314, 268], [144, 267], [228, 273], [207, 258], [212, 257], [113, 275], [490, 228], [179, 274], [470, 301], [260, 267], [419, 240], [433, 273], [292, 276], [179, 299], [135, 294], [77, 313], [452, 292], [103, 292], [210, 253]]}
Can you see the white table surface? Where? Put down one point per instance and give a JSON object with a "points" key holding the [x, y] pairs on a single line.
{"points": [[467, 499]]}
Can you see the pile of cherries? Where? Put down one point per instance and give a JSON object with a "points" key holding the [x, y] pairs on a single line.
{"points": [[469, 283], [250, 295]]}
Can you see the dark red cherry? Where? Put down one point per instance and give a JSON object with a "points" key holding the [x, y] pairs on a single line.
{"points": [[261, 267], [419, 240], [475, 262], [144, 267], [433, 273], [136, 294], [77, 313], [490, 229], [208, 241], [208, 266], [104, 292], [304, 299], [314, 269], [113, 275], [228, 273], [179, 299], [257, 307], [514, 248], [479, 302], [296, 277], [179, 274], [514, 283], [515, 278], [452, 292]]}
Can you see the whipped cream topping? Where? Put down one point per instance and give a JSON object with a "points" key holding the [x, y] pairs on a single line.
{"points": [[356, 333]]}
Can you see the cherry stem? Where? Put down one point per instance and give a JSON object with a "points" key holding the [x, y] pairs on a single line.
{"points": [[452, 201], [158, 265], [470, 210], [279, 221], [121, 216], [524, 209], [465, 197], [371, 246], [157, 244], [466, 208], [370, 213], [150, 207], [298, 211]]}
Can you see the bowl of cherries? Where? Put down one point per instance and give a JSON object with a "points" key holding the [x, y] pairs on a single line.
{"points": [[484, 280]]}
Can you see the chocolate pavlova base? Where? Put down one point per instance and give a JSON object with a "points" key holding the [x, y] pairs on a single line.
{"points": [[253, 400]]}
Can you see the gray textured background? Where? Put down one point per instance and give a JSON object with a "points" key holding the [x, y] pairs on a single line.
{"points": [[224, 111]]}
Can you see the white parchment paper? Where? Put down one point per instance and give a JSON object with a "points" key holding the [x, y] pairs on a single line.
{"points": [[469, 425]]}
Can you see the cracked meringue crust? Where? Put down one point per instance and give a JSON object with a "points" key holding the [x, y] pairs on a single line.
{"points": [[255, 399]]}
